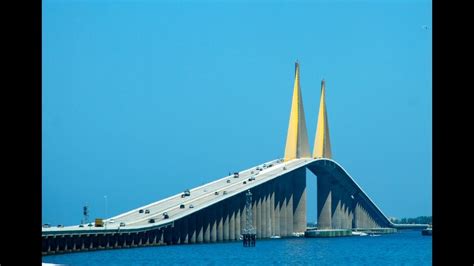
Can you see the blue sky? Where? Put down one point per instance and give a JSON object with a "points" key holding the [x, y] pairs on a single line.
{"points": [[143, 100]]}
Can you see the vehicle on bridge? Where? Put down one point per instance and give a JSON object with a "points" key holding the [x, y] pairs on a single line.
{"points": [[99, 222], [186, 193], [46, 225], [252, 178], [122, 224], [181, 206], [236, 175], [151, 221], [165, 215], [147, 211], [191, 206], [140, 211]]}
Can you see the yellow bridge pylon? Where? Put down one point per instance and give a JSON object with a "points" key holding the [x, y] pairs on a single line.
{"points": [[297, 145]]}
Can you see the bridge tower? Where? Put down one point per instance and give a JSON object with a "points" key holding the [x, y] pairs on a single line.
{"points": [[297, 145], [322, 143]]}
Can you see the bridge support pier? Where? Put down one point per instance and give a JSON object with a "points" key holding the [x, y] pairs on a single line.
{"points": [[324, 202]]}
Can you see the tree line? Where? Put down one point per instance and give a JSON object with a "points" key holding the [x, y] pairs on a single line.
{"points": [[417, 220]]}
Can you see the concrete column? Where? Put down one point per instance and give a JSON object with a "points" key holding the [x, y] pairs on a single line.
{"points": [[272, 207], [200, 226], [192, 228], [254, 209], [345, 223], [175, 232], [276, 212], [258, 196], [335, 207], [207, 224], [289, 207], [324, 202], [161, 236], [184, 230], [220, 221], [299, 201], [227, 209], [268, 209], [263, 211], [284, 203], [243, 214], [232, 210], [213, 217], [238, 217]]}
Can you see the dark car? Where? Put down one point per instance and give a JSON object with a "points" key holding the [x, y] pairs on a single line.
{"points": [[46, 226], [147, 211], [151, 221], [81, 225], [216, 193], [181, 206], [122, 224], [140, 211], [245, 182], [165, 215], [60, 225], [89, 225]]}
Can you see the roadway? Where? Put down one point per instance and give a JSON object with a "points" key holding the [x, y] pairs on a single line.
{"points": [[200, 197]]}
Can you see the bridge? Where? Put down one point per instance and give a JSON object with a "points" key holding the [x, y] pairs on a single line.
{"points": [[215, 212]]}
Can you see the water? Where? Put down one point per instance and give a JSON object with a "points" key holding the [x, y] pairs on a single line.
{"points": [[407, 247]]}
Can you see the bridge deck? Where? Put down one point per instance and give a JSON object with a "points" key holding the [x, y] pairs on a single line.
{"points": [[200, 197]]}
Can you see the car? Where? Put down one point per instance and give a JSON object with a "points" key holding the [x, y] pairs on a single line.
{"points": [[122, 224], [191, 206], [165, 215], [236, 175], [186, 193], [259, 169], [228, 180], [252, 178], [251, 172], [140, 211], [147, 211], [284, 167], [151, 221], [60, 225], [181, 206], [46, 225], [81, 225], [257, 173], [89, 225], [225, 192], [245, 182], [216, 193], [111, 221]]}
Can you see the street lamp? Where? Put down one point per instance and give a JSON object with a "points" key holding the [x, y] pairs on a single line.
{"points": [[105, 198]]}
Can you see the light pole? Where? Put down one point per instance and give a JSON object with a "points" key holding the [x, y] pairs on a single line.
{"points": [[105, 198]]}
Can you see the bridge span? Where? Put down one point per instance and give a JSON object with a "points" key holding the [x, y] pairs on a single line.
{"points": [[215, 212]]}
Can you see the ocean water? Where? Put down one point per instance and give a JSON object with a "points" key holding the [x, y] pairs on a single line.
{"points": [[406, 247]]}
